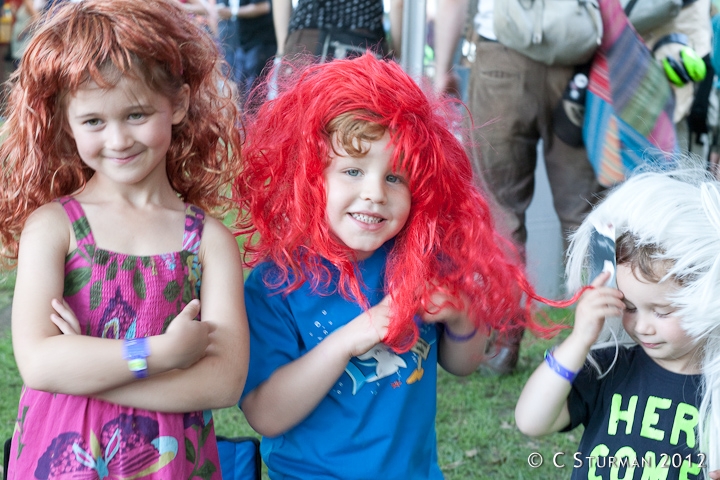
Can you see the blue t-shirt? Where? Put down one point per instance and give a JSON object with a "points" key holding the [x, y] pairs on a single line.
{"points": [[378, 420]]}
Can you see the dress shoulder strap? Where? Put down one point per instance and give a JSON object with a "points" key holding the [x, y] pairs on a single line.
{"points": [[194, 223], [80, 224]]}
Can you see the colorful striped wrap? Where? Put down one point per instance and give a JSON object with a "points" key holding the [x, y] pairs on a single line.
{"points": [[629, 103]]}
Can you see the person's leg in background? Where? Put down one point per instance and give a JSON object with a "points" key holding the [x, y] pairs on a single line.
{"points": [[228, 39], [250, 68], [512, 99], [503, 100]]}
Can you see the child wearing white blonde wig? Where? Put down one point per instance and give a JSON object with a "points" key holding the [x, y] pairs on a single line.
{"points": [[641, 367]]}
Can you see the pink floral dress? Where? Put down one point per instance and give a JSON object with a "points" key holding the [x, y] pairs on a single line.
{"points": [[117, 296]]}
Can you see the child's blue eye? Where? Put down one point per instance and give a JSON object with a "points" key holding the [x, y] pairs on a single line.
{"points": [[393, 179], [353, 172]]}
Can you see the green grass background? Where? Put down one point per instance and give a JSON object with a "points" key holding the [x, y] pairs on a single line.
{"points": [[477, 436]]}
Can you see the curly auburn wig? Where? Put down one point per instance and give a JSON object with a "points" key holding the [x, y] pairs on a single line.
{"points": [[448, 241], [101, 41]]}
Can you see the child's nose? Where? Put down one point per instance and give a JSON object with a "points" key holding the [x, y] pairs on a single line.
{"points": [[373, 190], [644, 323], [118, 137]]}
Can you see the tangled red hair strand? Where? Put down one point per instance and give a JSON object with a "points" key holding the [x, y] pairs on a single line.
{"points": [[448, 241], [100, 41]]}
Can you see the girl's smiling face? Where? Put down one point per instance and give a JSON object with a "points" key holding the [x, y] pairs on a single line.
{"points": [[124, 132], [650, 319], [367, 202]]}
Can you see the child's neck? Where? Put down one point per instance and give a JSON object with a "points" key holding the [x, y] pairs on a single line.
{"points": [[691, 366], [141, 225]]}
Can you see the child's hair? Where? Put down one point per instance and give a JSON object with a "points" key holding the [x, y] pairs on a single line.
{"points": [[448, 239], [667, 226], [101, 41], [641, 258]]}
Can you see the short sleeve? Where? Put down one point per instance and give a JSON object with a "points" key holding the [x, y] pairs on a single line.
{"points": [[587, 387], [274, 337]]}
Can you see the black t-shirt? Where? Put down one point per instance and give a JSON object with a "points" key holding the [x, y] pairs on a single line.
{"points": [[340, 15], [640, 417], [256, 30]]}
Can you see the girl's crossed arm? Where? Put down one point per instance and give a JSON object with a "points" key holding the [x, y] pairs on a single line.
{"points": [[542, 406], [218, 378], [294, 390], [78, 364]]}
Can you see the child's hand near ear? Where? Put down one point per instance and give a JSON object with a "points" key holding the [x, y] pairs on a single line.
{"points": [[594, 305], [542, 407]]}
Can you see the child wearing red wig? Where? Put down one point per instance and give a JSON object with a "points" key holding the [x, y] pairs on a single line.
{"points": [[374, 259]]}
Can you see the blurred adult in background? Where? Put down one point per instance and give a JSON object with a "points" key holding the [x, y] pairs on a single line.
{"points": [[511, 99], [248, 34], [334, 28], [204, 11], [26, 11], [690, 29]]}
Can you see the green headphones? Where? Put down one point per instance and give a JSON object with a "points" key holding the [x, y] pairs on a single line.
{"points": [[691, 67]]}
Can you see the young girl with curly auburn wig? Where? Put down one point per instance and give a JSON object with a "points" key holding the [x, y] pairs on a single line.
{"points": [[375, 257], [650, 388], [40, 160], [117, 140]]}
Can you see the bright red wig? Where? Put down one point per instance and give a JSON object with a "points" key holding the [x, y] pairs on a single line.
{"points": [[100, 41], [448, 240]]}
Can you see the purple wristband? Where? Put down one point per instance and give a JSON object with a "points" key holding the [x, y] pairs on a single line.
{"points": [[136, 351], [458, 338], [568, 375]]}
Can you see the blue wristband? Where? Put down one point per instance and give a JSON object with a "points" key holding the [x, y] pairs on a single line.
{"points": [[136, 351], [557, 368], [458, 338]]}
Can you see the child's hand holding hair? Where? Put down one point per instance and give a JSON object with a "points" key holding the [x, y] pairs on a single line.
{"points": [[294, 390], [542, 406], [594, 305], [462, 344], [367, 329], [447, 309]]}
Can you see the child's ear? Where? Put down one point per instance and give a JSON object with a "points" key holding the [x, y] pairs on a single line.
{"points": [[182, 105]]}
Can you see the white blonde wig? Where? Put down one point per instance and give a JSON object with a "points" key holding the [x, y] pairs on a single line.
{"points": [[679, 213]]}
